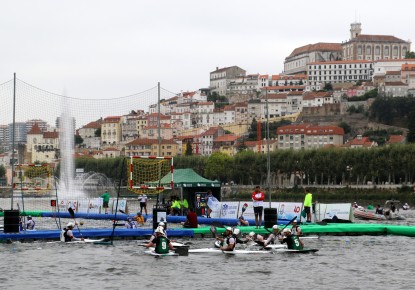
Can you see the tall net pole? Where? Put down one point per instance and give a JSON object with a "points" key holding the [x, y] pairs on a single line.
{"points": [[14, 134]]}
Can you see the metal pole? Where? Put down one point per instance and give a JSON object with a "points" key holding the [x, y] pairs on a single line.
{"points": [[158, 120], [268, 151], [14, 133]]}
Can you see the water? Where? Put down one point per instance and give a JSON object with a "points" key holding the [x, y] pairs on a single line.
{"points": [[343, 262]]}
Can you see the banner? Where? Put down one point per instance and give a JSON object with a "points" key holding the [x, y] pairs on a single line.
{"points": [[288, 210], [229, 210], [94, 205], [340, 210]]}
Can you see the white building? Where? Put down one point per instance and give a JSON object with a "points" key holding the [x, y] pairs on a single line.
{"points": [[221, 78], [320, 73]]}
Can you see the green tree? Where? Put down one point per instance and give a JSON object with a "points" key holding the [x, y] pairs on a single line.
{"points": [[328, 87], [189, 150], [411, 126], [346, 127], [217, 166], [2, 171], [78, 140], [410, 54]]}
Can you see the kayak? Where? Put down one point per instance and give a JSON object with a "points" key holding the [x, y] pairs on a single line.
{"points": [[309, 237], [205, 250], [276, 246], [243, 252], [292, 251], [153, 253], [79, 242]]}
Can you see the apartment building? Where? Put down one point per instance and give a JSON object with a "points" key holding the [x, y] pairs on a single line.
{"points": [[41, 146], [111, 131], [226, 144], [408, 75], [317, 99], [151, 147], [308, 136], [87, 133], [221, 78], [206, 139]]}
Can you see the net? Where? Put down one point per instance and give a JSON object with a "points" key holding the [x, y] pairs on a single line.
{"points": [[150, 174], [33, 177]]}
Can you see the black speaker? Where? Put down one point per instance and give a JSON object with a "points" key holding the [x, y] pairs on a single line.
{"points": [[11, 221], [270, 217]]}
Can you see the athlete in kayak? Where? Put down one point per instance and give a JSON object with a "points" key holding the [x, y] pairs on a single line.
{"points": [[68, 234], [273, 237], [228, 240], [161, 243], [293, 242]]}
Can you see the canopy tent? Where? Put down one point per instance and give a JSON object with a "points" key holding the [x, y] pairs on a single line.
{"points": [[189, 182]]}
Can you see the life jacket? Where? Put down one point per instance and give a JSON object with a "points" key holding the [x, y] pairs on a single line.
{"points": [[31, 226], [227, 241], [162, 245], [65, 235]]}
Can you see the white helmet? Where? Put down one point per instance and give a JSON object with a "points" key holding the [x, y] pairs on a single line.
{"points": [[70, 224], [287, 231], [161, 224], [229, 229], [236, 231], [251, 234], [275, 227], [159, 230]]}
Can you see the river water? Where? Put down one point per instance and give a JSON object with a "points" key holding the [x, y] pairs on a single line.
{"points": [[342, 262]]}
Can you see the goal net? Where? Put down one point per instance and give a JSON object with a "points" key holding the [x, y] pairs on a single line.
{"points": [[33, 177], [150, 174]]}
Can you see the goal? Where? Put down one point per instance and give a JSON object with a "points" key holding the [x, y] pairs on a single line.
{"points": [[33, 177], [150, 174]]}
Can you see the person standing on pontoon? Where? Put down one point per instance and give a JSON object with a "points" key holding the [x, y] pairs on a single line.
{"points": [[258, 197], [308, 200], [143, 203]]}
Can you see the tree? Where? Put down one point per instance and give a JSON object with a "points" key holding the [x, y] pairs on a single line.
{"points": [[217, 166], [2, 171], [98, 132], [410, 54], [189, 150], [328, 87], [411, 126], [78, 140], [346, 127]]}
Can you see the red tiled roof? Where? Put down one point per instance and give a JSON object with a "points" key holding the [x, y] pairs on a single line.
{"points": [[309, 129], [377, 38], [51, 135], [360, 141], [282, 87], [149, 142], [395, 84], [313, 95], [396, 139], [111, 149], [321, 46], [281, 96], [408, 67], [225, 138], [92, 125], [35, 129], [112, 119], [210, 131], [392, 72]]}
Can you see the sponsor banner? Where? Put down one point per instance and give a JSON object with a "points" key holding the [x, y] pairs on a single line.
{"points": [[288, 210], [229, 209], [94, 205], [83, 205], [328, 211]]}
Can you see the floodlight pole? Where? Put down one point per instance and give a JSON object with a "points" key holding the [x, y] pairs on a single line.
{"points": [[14, 134]]}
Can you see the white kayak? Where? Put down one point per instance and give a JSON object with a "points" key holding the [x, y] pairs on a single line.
{"points": [[309, 237], [276, 246], [243, 252], [79, 242], [206, 250], [153, 253]]}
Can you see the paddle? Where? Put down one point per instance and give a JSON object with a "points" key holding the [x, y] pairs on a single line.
{"points": [[71, 212], [290, 222]]}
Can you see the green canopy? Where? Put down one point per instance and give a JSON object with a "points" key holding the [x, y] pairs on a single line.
{"points": [[188, 178]]}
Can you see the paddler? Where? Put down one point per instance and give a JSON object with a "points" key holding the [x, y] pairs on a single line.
{"points": [[228, 240], [293, 242], [68, 234], [161, 243]]}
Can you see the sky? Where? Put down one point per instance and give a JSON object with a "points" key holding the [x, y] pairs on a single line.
{"points": [[107, 49]]}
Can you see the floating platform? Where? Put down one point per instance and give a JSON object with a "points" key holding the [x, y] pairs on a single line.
{"points": [[350, 229]]}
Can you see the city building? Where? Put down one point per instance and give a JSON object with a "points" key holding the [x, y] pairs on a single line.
{"points": [[297, 61], [221, 78], [308, 136], [150, 147], [111, 131], [373, 47]]}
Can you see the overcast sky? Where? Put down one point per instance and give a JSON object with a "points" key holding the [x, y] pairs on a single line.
{"points": [[107, 49]]}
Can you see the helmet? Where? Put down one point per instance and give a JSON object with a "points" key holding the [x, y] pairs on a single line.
{"points": [[161, 224], [229, 229], [159, 230], [241, 217], [287, 231], [29, 216], [275, 227], [251, 234], [70, 225], [294, 221], [236, 231]]}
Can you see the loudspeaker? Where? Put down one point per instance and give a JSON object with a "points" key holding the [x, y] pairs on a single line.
{"points": [[270, 217], [11, 221]]}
